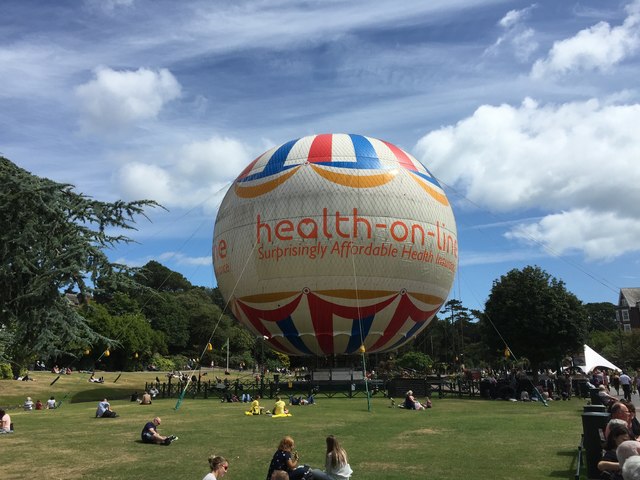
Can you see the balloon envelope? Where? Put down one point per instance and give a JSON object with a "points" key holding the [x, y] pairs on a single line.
{"points": [[332, 242]]}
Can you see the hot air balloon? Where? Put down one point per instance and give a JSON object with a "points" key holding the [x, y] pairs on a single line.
{"points": [[335, 244]]}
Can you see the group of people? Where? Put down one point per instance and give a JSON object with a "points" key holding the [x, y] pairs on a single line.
{"points": [[285, 463], [279, 407], [411, 403], [61, 371], [38, 405], [616, 380], [621, 452]]}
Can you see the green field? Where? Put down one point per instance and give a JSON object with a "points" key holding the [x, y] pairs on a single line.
{"points": [[457, 439]]}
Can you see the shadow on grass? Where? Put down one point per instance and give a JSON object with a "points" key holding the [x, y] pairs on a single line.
{"points": [[571, 471], [562, 474], [96, 394], [567, 453]]}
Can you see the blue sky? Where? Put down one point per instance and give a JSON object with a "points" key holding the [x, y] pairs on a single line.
{"points": [[527, 112]]}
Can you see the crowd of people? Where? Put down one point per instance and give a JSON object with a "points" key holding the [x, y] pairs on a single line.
{"points": [[285, 463], [621, 449]]}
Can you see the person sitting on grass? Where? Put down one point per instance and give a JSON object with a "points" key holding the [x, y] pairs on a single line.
{"points": [[150, 433], [286, 458], [39, 405], [336, 463], [411, 403], [5, 422], [51, 403], [256, 409], [219, 467], [28, 404], [104, 410], [279, 407], [146, 398]]}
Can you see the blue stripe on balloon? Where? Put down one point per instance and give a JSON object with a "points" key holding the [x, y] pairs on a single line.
{"points": [[363, 325], [428, 178], [366, 156], [407, 335], [275, 163], [291, 333]]}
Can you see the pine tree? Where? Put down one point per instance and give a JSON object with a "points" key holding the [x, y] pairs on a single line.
{"points": [[52, 241]]}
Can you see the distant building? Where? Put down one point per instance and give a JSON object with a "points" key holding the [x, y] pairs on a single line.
{"points": [[628, 309]]}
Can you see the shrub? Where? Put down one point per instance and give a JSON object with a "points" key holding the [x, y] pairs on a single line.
{"points": [[162, 363], [5, 371], [416, 361], [180, 362]]}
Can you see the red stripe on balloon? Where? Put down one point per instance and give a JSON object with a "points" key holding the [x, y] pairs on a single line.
{"points": [[406, 309], [321, 149], [256, 316], [401, 156], [248, 169], [322, 313]]}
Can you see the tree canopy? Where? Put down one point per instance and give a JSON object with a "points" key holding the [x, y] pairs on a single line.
{"points": [[52, 240], [534, 315], [601, 316]]}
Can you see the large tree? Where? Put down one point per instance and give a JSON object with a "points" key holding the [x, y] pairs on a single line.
{"points": [[160, 278], [534, 315], [53, 240], [602, 316], [453, 337]]}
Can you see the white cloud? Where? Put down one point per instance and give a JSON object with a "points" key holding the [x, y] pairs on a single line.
{"points": [[195, 174], [599, 47], [471, 258], [115, 99], [577, 158], [599, 235], [517, 37], [512, 18], [182, 259]]}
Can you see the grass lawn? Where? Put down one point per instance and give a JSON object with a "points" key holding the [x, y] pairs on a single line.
{"points": [[457, 439]]}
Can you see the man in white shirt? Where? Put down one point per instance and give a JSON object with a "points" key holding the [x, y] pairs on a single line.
{"points": [[104, 410], [625, 382]]}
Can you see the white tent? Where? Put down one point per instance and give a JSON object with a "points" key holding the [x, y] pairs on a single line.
{"points": [[593, 359]]}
